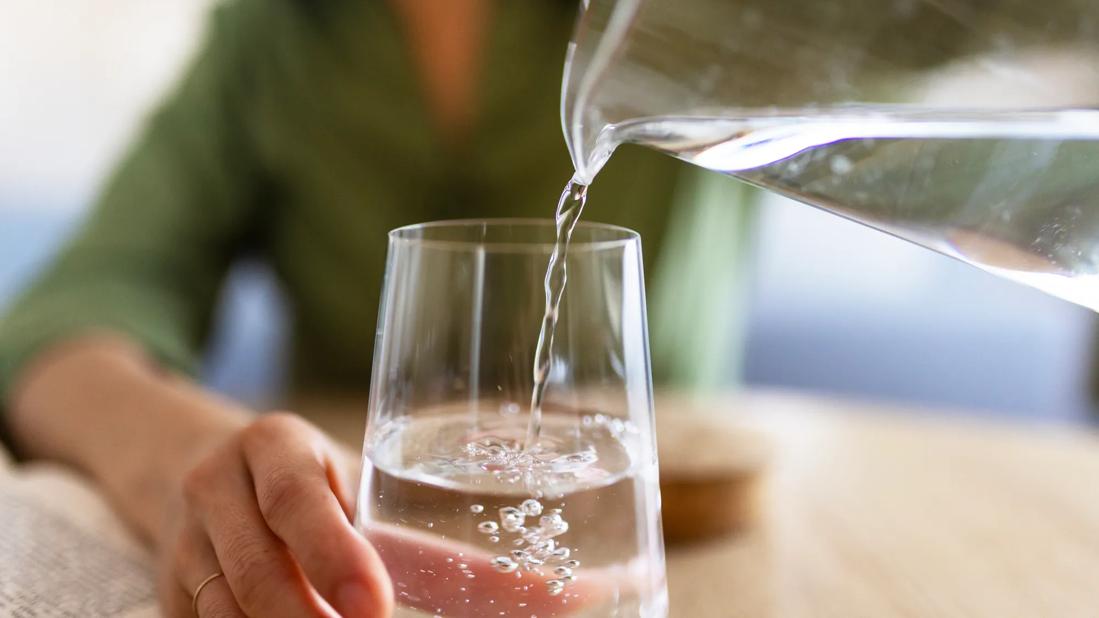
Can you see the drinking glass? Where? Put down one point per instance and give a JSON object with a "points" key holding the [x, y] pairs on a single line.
{"points": [[469, 518]]}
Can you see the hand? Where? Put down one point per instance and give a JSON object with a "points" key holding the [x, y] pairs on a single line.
{"points": [[268, 509]]}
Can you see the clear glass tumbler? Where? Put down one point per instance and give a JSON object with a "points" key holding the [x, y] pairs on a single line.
{"points": [[469, 519]]}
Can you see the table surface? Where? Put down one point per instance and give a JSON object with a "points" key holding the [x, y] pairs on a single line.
{"points": [[875, 511], [870, 510]]}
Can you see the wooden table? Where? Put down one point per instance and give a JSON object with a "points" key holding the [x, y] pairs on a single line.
{"points": [[877, 512]]}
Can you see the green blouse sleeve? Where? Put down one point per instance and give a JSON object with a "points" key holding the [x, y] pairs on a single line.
{"points": [[149, 259]]}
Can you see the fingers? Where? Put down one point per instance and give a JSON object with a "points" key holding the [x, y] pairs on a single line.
{"points": [[297, 494], [214, 600], [260, 574], [194, 562]]}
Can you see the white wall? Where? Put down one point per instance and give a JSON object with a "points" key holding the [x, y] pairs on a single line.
{"points": [[75, 77]]}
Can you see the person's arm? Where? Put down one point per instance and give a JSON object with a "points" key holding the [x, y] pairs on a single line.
{"points": [[214, 488], [98, 404], [94, 360]]}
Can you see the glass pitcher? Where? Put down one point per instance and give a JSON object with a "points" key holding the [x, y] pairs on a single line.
{"points": [[967, 126]]}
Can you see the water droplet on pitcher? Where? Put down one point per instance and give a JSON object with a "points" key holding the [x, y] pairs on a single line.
{"points": [[841, 165]]}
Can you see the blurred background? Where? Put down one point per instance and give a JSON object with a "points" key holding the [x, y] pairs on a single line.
{"points": [[829, 306]]}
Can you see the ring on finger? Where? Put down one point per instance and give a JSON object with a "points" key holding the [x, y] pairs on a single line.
{"points": [[198, 590]]}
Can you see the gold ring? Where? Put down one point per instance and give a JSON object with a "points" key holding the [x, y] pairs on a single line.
{"points": [[198, 590]]}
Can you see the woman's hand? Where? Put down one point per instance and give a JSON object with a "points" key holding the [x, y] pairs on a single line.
{"points": [[267, 508], [217, 490]]}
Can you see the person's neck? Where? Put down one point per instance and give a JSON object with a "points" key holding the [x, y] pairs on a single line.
{"points": [[447, 40]]}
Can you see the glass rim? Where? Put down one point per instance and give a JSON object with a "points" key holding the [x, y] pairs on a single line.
{"points": [[402, 235]]}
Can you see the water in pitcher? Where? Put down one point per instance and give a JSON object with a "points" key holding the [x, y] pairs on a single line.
{"points": [[1013, 193]]}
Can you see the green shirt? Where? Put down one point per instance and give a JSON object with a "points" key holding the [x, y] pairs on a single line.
{"points": [[300, 134]]}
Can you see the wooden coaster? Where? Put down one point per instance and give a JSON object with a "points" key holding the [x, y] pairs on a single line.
{"points": [[711, 472]]}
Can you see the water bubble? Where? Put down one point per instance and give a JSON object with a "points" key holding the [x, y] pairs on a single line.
{"points": [[574, 462], [562, 571], [503, 564], [518, 554], [561, 553], [487, 527], [518, 542], [554, 586], [572, 564], [531, 507], [543, 549], [476, 508], [511, 518], [552, 525], [494, 539]]}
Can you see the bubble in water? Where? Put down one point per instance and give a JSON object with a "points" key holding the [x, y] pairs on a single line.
{"points": [[561, 553], [519, 555], [494, 539], [531, 507], [543, 549], [504, 564], [476, 508], [487, 527], [562, 571], [574, 462], [511, 518], [572, 564], [554, 586], [553, 525]]}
